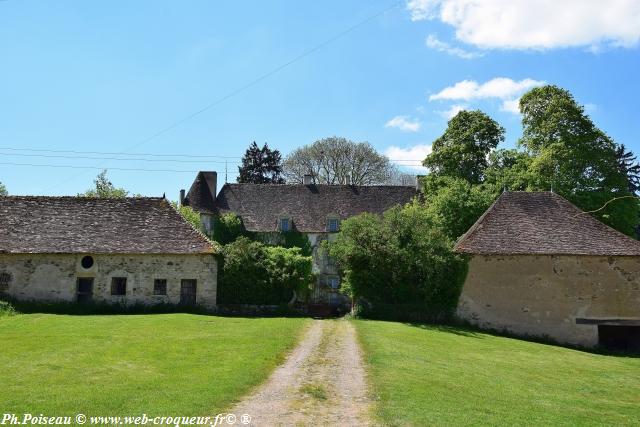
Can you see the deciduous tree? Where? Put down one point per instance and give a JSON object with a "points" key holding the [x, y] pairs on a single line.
{"points": [[463, 148], [104, 188], [337, 160], [574, 158]]}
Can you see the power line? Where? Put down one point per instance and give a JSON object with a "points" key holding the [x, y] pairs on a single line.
{"points": [[107, 153], [57, 156], [116, 153], [100, 167], [259, 79]]}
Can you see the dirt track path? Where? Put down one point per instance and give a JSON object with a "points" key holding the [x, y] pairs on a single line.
{"points": [[322, 382]]}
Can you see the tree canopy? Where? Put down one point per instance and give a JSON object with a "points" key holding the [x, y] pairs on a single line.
{"points": [[463, 148], [261, 166], [338, 160], [104, 188], [561, 149], [3, 190], [574, 158]]}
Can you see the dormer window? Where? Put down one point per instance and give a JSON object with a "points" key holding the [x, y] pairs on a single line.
{"points": [[285, 224], [333, 225]]}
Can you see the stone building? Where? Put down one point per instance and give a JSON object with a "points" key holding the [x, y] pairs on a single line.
{"points": [[120, 251], [312, 209], [541, 267]]}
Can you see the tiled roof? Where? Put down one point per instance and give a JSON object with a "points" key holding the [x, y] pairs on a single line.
{"points": [[542, 223], [309, 206], [90, 225]]}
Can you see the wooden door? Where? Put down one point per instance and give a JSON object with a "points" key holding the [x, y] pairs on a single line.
{"points": [[84, 290], [188, 292]]}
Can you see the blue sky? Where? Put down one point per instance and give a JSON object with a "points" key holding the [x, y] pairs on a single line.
{"points": [[107, 76]]}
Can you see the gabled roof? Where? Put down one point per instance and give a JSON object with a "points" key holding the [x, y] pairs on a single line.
{"points": [[90, 225], [542, 223], [309, 206]]}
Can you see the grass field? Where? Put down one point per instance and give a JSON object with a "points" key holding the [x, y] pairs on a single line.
{"points": [[161, 365], [447, 376]]}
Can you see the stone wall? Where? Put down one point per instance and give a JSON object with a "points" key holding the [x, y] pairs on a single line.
{"points": [[543, 295], [53, 277]]}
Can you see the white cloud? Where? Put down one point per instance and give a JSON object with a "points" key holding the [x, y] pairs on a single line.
{"points": [[410, 158], [453, 111], [500, 87], [539, 24], [434, 43], [511, 106], [404, 124]]}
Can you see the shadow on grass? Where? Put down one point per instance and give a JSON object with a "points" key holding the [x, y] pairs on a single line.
{"points": [[450, 329], [468, 330]]}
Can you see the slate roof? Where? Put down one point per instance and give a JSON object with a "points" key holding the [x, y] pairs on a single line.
{"points": [[135, 225], [309, 206], [542, 223]]}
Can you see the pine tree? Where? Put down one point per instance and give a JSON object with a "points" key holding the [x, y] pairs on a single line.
{"points": [[261, 166], [629, 167]]}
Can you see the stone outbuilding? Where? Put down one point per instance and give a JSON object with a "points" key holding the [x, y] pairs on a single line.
{"points": [[120, 251], [541, 267]]}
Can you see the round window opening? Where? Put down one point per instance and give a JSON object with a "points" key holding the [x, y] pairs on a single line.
{"points": [[87, 262]]}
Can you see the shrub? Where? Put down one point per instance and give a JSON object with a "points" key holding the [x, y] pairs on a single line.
{"points": [[253, 273], [400, 258], [7, 309], [227, 228], [191, 216]]}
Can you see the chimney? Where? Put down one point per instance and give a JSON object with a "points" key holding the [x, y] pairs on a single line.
{"points": [[347, 180], [211, 178], [307, 179], [419, 182], [181, 197]]}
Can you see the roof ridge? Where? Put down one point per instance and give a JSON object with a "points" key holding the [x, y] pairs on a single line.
{"points": [[15, 196]]}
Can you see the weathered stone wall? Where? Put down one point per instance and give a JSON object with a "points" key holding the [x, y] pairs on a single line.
{"points": [[53, 277], [543, 295]]}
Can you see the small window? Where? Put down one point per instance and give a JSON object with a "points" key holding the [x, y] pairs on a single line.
{"points": [[5, 280], [118, 286], [160, 287], [333, 225], [87, 262], [285, 224], [333, 282]]}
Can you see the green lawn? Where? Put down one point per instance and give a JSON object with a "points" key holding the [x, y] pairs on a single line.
{"points": [[447, 376], [162, 365]]}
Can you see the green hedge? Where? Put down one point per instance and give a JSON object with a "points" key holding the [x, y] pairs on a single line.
{"points": [[254, 273], [397, 260]]}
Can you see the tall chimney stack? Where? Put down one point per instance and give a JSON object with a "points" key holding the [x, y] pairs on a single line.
{"points": [[181, 197], [307, 179]]}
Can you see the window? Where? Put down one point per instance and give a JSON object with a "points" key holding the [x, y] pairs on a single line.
{"points": [[333, 282], [160, 287], [118, 286], [5, 280], [333, 225], [285, 224], [87, 262]]}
